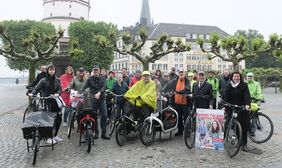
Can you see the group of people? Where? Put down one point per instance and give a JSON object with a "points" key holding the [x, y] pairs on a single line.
{"points": [[191, 90]]}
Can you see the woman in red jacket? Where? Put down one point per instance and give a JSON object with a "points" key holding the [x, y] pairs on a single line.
{"points": [[65, 80]]}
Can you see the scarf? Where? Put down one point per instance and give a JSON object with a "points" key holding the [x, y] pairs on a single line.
{"points": [[233, 84]]}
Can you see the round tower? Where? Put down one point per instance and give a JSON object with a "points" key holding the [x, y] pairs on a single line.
{"points": [[62, 12]]}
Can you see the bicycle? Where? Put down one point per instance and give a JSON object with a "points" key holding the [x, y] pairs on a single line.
{"points": [[166, 120], [263, 125], [233, 132], [190, 125], [113, 116], [38, 126], [129, 121]]}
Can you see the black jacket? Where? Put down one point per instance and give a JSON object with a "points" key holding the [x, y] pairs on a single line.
{"points": [[171, 87], [95, 84], [37, 79], [239, 95], [46, 89], [222, 85], [206, 91]]}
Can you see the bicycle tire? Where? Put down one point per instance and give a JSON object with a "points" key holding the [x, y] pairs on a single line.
{"points": [[27, 110], [233, 138], [89, 135], [112, 122], [144, 131], [35, 149], [70, 123], [121, 133], [260, 131], [190, 132]]}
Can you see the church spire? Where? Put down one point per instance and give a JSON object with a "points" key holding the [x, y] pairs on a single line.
{"points": [[145, 17]]}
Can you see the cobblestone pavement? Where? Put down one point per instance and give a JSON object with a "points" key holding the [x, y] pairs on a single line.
{"points": [[164, 153]]}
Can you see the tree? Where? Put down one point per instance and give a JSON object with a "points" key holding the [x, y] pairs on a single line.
{"points": [[233, 48], [275, 45], [133, 46], [28, 43], [84, 50]]}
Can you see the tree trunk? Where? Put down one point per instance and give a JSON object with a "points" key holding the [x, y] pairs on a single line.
{"points": [[31, 75], [235, 66], [145, 66]]}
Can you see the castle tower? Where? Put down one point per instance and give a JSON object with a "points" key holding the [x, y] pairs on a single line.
{"points": [[62, 12], [145, 17]]}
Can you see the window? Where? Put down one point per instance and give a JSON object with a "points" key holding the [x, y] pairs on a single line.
{"points": [[188, 67], [189, 57], [201, 36], [176, 57], [165, 66], [193, 67], [207, 37], [209, 67], [193, 57], [187, 37], [181, 65], [181, 57], [224, 66], [176, 66], [153, 66], [198, 67], [119, 66], [122, 65], [115, 66], [230, 67], [63, 47], [126, 65], [204, 67], [160, 66], [194, 36]]}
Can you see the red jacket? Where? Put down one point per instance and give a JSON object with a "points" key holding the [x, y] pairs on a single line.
{"points": [[65, 80], [133, 81]]}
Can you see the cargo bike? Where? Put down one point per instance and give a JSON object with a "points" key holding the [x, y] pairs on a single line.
{"points": [[39, 125]]}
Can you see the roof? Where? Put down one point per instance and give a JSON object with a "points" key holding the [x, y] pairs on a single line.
{"points": [[177, 30]]}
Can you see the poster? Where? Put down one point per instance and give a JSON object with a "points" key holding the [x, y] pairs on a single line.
{"points": [[209, 129]]}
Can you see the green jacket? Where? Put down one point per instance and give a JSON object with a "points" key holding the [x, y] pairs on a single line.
{"points": [[215, 85], [191, 84], [110, 83], [255, 89]]}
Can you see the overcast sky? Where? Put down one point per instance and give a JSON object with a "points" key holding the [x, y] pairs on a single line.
{"points": [[229, 15]]}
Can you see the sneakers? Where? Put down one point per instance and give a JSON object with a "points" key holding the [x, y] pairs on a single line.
{"points": [[58, 139], [49, 141], [65, 124]]}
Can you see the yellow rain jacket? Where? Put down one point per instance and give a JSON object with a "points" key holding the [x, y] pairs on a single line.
{"points": [[147, 92]]}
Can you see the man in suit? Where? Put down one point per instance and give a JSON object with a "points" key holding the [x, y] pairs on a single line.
{"points": [[202, 92]]}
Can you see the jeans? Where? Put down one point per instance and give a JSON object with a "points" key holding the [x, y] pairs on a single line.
{"points": [[101, 106]]}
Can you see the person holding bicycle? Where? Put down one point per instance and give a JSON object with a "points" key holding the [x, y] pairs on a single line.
{"points": [[237, 93], [120, 87], [97, 86], [146, 94], [51, 85], [202, 93], [256, 95]]}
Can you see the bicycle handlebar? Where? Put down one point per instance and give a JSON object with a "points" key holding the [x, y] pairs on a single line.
{"points": [[111, 93]]}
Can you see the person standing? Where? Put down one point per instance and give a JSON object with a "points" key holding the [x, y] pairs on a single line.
{"points": [[256, 97], [215, 84], [222, 85], [202, 93], [165, 79], [41, 75], [135, 78], [97, 87], [180, 86], [65, 81], [237, 92], [125, 76], [51, 85], [172, 74]]}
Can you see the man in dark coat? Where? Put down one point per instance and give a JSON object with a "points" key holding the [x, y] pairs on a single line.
{"points": [[202, 93], [41, 75]]}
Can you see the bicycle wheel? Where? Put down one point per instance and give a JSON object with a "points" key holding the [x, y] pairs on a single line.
{"points": [[190, 132], [263, 128], [112, 121], [121, 133], [35, 149], [147, 135], [88, 138], [27, 110], [70, 123], [233, 138]]}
